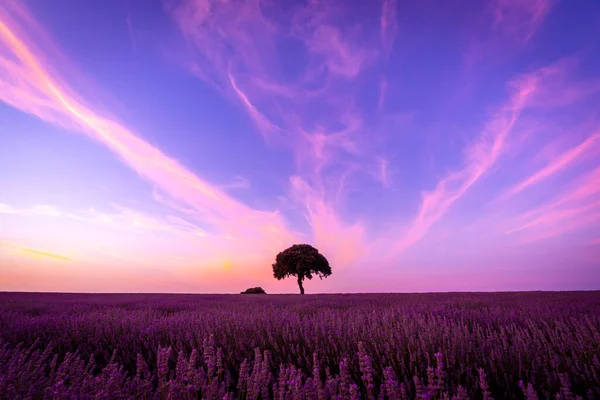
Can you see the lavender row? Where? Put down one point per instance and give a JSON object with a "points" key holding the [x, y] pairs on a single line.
{"points": [[508, 345]]}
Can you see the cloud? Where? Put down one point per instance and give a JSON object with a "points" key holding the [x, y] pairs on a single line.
{"points": [[479, 158], [562, 86], [39, 209], [227, 34], [314, 108], [239, 183], [34, 88], [343, 244], [319, 148], [326, 132], [507, 29], [575, 206], [340, 58], [553, 216], [385, 174], [43, 254], [7, 209], [383, 87], [519, 18], [130, 30], [575, 203], [560, 163], [559, 224], [529, 92], [124, 219], [266, 127], [389, 25]]}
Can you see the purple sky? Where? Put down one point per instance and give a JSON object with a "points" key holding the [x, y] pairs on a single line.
{"points": [[179, 145]]}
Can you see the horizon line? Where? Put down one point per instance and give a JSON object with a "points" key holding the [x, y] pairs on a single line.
{"points": [[308, 294]]}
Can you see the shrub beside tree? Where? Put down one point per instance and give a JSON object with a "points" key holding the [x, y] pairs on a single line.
{"points": [[254, 290]]}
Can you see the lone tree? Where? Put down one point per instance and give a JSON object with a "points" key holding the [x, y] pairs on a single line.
{"points": [[302, 261]]}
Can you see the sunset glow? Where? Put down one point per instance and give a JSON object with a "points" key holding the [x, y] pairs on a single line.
{"points": [[179, 145]]}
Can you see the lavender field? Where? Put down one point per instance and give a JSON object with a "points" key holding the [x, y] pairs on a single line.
{"points": [[372, 346]]}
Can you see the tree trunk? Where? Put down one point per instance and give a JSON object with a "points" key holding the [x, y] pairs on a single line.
{"points": [[300, 284]]}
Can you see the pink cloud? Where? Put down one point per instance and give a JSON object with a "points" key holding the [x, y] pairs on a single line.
{"points": [[561, 88], [384, 173], [123, 218], [338, 55], [236, 41], [559, 224], [563, 161], [225, 31], [507, 29], [236, 38], [343, 244], [479, 158], [555, 216], [382, 94], [7, 209], [586, 186], [582, 190], [342, 50], [389, 25], [319, 148], [520, 18], [576, 206], [264, 125], [33, 88], [130, 31], [238, 183]]}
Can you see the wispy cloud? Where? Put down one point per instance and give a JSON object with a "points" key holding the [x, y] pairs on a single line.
{"points": [[339, 56], [317, 149], [560, 224], [334, 63], [576, 206], [7, 209], [384, 173], [34, 89], [43, 254], [239, 183], [554, 216], [383, 87], [507, 29], [589, 147], [389, 25], [39, 209], [264, 125], [520, 18], [130, 30], [479, 158], [238, 43], [123, 218], [562, 87], [344, 244]]}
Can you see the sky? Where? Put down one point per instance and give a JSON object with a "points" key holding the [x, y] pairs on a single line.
{"points": [[179, 145]]}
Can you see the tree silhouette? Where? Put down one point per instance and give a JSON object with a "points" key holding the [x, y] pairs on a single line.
{"points": [[302, 261], [254, 290]]}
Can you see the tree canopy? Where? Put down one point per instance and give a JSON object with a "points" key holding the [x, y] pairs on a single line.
{"points": [[301, 261]]}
